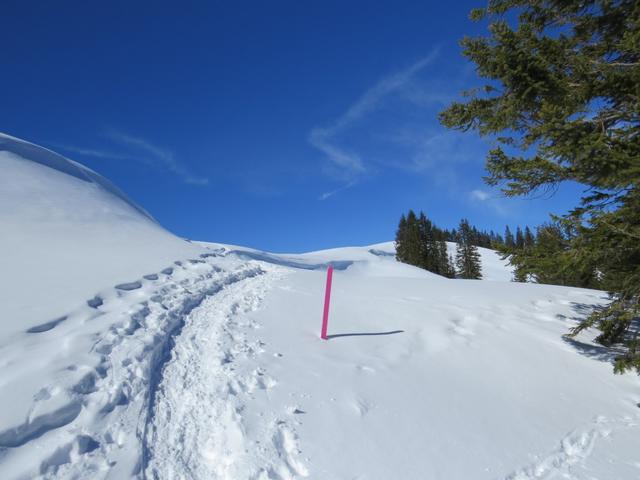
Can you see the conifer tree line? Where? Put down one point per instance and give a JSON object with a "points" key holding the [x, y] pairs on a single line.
{"points": [[421, 243], [560, 95], [546, 257]]}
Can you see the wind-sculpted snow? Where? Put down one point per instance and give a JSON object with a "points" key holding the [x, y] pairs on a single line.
{"points": [[288, 262], [67, 232], [37, 154]]}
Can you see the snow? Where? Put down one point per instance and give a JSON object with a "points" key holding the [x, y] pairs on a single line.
{"points": [[126, 352], [67, 233]]}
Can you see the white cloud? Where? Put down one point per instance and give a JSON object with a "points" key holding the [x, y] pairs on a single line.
{"points": [[323, 138], [394, 125], [326, 195], [480, 195], [485, 199], [90, 152], [159, 155]]}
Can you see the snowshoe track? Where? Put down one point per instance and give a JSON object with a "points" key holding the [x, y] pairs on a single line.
{"points": [[95, 412], [199, 404]]}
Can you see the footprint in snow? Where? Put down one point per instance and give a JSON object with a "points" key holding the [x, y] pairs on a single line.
{"points": [[129, 286], [95, 302], [45, 327], [361, 406]]}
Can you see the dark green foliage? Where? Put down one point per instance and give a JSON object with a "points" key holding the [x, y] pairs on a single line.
{"points": [[408, 240], [529, 239], [549, 258], [519, 238], [508, 238], [563, 88], [420, 243], [467, 257], [444, 260]]}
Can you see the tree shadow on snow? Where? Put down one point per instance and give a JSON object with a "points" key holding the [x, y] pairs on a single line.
{"points": [[598, 352], [592, 350], [363, 334]]}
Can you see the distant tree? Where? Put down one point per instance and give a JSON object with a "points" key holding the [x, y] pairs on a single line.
{"points": [[529, 239], [401, 240], [413, 248], [419, 242], [509, 242], [428, 248], [445, 265], [519, 238], [467, 256]]}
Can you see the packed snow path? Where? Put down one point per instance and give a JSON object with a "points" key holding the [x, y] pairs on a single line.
{"points": [[197, 428], [94, 419]]}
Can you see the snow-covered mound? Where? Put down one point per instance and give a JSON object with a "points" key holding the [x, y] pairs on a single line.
{"points": [[67, 233], [378, 259], [126, 352]]}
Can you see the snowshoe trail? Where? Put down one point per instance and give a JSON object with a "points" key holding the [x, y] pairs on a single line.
{"points": [[98, 418], [197, 428]]}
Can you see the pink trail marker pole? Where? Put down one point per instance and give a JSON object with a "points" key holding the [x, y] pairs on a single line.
{"points": [[327, 299]]}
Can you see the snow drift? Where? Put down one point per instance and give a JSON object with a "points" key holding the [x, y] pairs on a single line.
{"points": [[66, 233]]}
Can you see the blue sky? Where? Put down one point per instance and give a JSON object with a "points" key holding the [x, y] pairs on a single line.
{"points": [[287, 126]]}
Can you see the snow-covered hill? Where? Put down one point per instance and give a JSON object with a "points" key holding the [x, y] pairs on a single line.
{"points": [[126, 352], [67, 233], [493, 267]]}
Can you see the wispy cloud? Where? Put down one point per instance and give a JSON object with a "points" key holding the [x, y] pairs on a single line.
{"points": [[326, 195], [486, 199], [159, 155], [394, 125], [323, 138], [138, 150], [91, 152], [480, 195]]}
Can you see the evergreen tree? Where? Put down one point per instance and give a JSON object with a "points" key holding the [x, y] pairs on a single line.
{"points": [[445, 266], [519, 238], [401, 240], [467, 256], [529, 239], [413, 247], [549, 260], [563, 88], [429, 253], [419, 242], [509, 242]]}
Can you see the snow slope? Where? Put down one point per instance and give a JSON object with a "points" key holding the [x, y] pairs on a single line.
{"points": [[126, 352], [66, 233], [493, 267], [423, 377]]}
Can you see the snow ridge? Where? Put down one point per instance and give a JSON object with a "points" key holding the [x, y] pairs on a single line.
{"points": [[55, 161]]}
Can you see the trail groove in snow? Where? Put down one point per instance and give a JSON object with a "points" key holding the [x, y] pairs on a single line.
{"points": [[90, 420], [198, 428]]}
